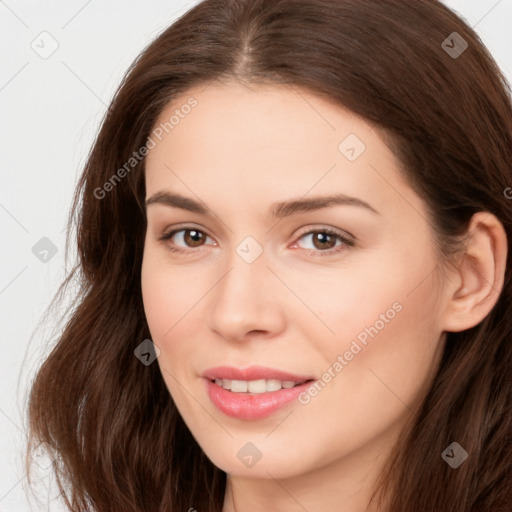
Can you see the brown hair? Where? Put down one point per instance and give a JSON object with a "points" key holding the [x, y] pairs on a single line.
{"points": [[120, 442]]}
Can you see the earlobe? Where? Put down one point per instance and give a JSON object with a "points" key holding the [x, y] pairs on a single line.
{"points": [[480, 274]]}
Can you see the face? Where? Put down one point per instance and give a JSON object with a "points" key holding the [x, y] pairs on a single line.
{"points": [[254, 277]]}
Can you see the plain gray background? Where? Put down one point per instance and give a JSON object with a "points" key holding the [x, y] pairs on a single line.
{"points": [[51, 106]]}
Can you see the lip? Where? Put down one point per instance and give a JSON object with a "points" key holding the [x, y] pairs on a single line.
{"points": [[252, 407], [248, 406], [252, 373]]}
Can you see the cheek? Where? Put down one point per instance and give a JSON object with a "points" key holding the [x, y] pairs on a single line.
{"points": [[158, 302], [387, 348], [172, 298], [374, 371], [169, 292]]}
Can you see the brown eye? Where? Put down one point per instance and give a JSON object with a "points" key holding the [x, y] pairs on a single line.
{"points": [[181, 240], [194, 238], [324, 241]]}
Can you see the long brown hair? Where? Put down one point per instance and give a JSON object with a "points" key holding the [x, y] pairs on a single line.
{"points": [[119, 441]]}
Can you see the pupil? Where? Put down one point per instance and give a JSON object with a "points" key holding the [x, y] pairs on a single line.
{"points": [[196, 237], [322, 238]]}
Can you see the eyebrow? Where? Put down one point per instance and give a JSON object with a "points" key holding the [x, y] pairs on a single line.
{"points": [[277, 210]]}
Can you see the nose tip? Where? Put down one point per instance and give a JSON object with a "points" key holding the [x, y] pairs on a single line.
{"points": [[245, 302]]}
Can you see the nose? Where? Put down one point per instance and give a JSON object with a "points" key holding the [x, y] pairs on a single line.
{"points": [[247, 302]]}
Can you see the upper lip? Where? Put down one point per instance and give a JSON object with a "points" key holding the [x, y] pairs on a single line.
{"points": [[252, 373]]}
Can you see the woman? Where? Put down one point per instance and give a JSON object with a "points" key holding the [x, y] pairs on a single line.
{"points": [[293, 235]]}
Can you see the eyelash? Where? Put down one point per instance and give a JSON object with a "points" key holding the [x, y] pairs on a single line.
{"points": [[329, 231]]}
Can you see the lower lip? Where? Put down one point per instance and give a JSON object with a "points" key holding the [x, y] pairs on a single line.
{"points": [[252, 407]]}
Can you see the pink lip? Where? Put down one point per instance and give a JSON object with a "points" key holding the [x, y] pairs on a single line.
{"points": [[252, 407], [251, 373], [248, 406]]}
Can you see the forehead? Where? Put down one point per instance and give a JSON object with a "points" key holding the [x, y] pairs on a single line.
{"points": [[229, 119], [244, 144]]}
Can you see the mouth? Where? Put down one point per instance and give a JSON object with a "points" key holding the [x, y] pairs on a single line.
{"points": [[253, 393]]}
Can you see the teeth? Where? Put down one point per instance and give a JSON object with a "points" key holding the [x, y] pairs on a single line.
{"points": [[255, 386], [274, 385], [239, 386]]}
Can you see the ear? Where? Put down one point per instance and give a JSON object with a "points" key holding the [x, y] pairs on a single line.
{"points": [[478, 279]]}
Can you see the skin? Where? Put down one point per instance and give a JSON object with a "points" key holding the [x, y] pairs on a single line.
{"points": [[241, 149]]}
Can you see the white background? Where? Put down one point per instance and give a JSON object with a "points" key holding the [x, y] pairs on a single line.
{"points": [[50, 112]]}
